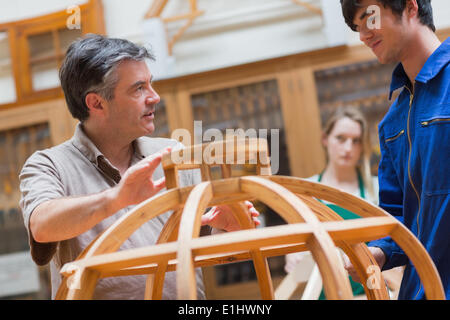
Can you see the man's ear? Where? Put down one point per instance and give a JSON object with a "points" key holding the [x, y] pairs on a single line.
{"points": [[412, 8], [94, 102]]}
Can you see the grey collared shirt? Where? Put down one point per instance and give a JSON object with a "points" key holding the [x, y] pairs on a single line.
{"points": [[76, 168]]}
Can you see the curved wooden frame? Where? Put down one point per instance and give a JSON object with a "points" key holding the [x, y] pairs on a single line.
{"points": [[311, 226], [234, 150]]}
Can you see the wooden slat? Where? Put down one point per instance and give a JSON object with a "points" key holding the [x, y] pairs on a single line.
{"points": [[250, 243], [308, 6], [301, 121], [425, 267], [156, 9], [82, 288], [345, 200], [359, 254], [209, 260], [190, 225], [238, 150], [15, 61], [155, 280], [116, 234], [244, 240]]}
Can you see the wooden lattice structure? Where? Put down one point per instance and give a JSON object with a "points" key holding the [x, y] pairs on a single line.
{"points": [[156, 10], [311, 226]]}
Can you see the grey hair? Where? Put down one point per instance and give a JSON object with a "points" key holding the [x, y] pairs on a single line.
{"points": [[109, 82], [90, 65]]}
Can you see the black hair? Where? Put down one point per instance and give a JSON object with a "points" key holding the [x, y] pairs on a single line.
{"points": [[349, 8], [89, 66]]}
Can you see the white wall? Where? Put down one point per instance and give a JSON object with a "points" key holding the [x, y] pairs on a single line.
{"points": [[24, 9], [229, 33], [234, 32]]}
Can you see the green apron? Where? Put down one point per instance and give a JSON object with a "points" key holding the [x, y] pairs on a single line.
{"points": [[357, 288]]}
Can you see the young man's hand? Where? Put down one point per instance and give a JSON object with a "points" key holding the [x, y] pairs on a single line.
{"points": [[292, 259], [377, 253], [221, 217]]}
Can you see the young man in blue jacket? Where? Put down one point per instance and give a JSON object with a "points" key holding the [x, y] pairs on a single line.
{"points": [[414, 172]]}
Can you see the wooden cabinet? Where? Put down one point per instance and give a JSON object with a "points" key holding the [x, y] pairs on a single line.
{"points": [[23, 131], [35, 47]]}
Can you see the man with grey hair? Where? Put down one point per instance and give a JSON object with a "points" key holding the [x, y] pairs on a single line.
{"points": [[74, 191]]}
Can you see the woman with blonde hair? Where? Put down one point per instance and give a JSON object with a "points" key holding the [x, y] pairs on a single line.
{"points": [[346, 141]]}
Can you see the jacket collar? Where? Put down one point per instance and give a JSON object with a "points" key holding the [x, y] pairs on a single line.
{"points": [[435, 63]]}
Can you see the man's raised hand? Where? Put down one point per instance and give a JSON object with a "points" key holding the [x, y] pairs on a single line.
{"points": [[137, 184]]}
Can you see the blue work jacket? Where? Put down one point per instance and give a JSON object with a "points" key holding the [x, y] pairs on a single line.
{"points": [[414, 171]]}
